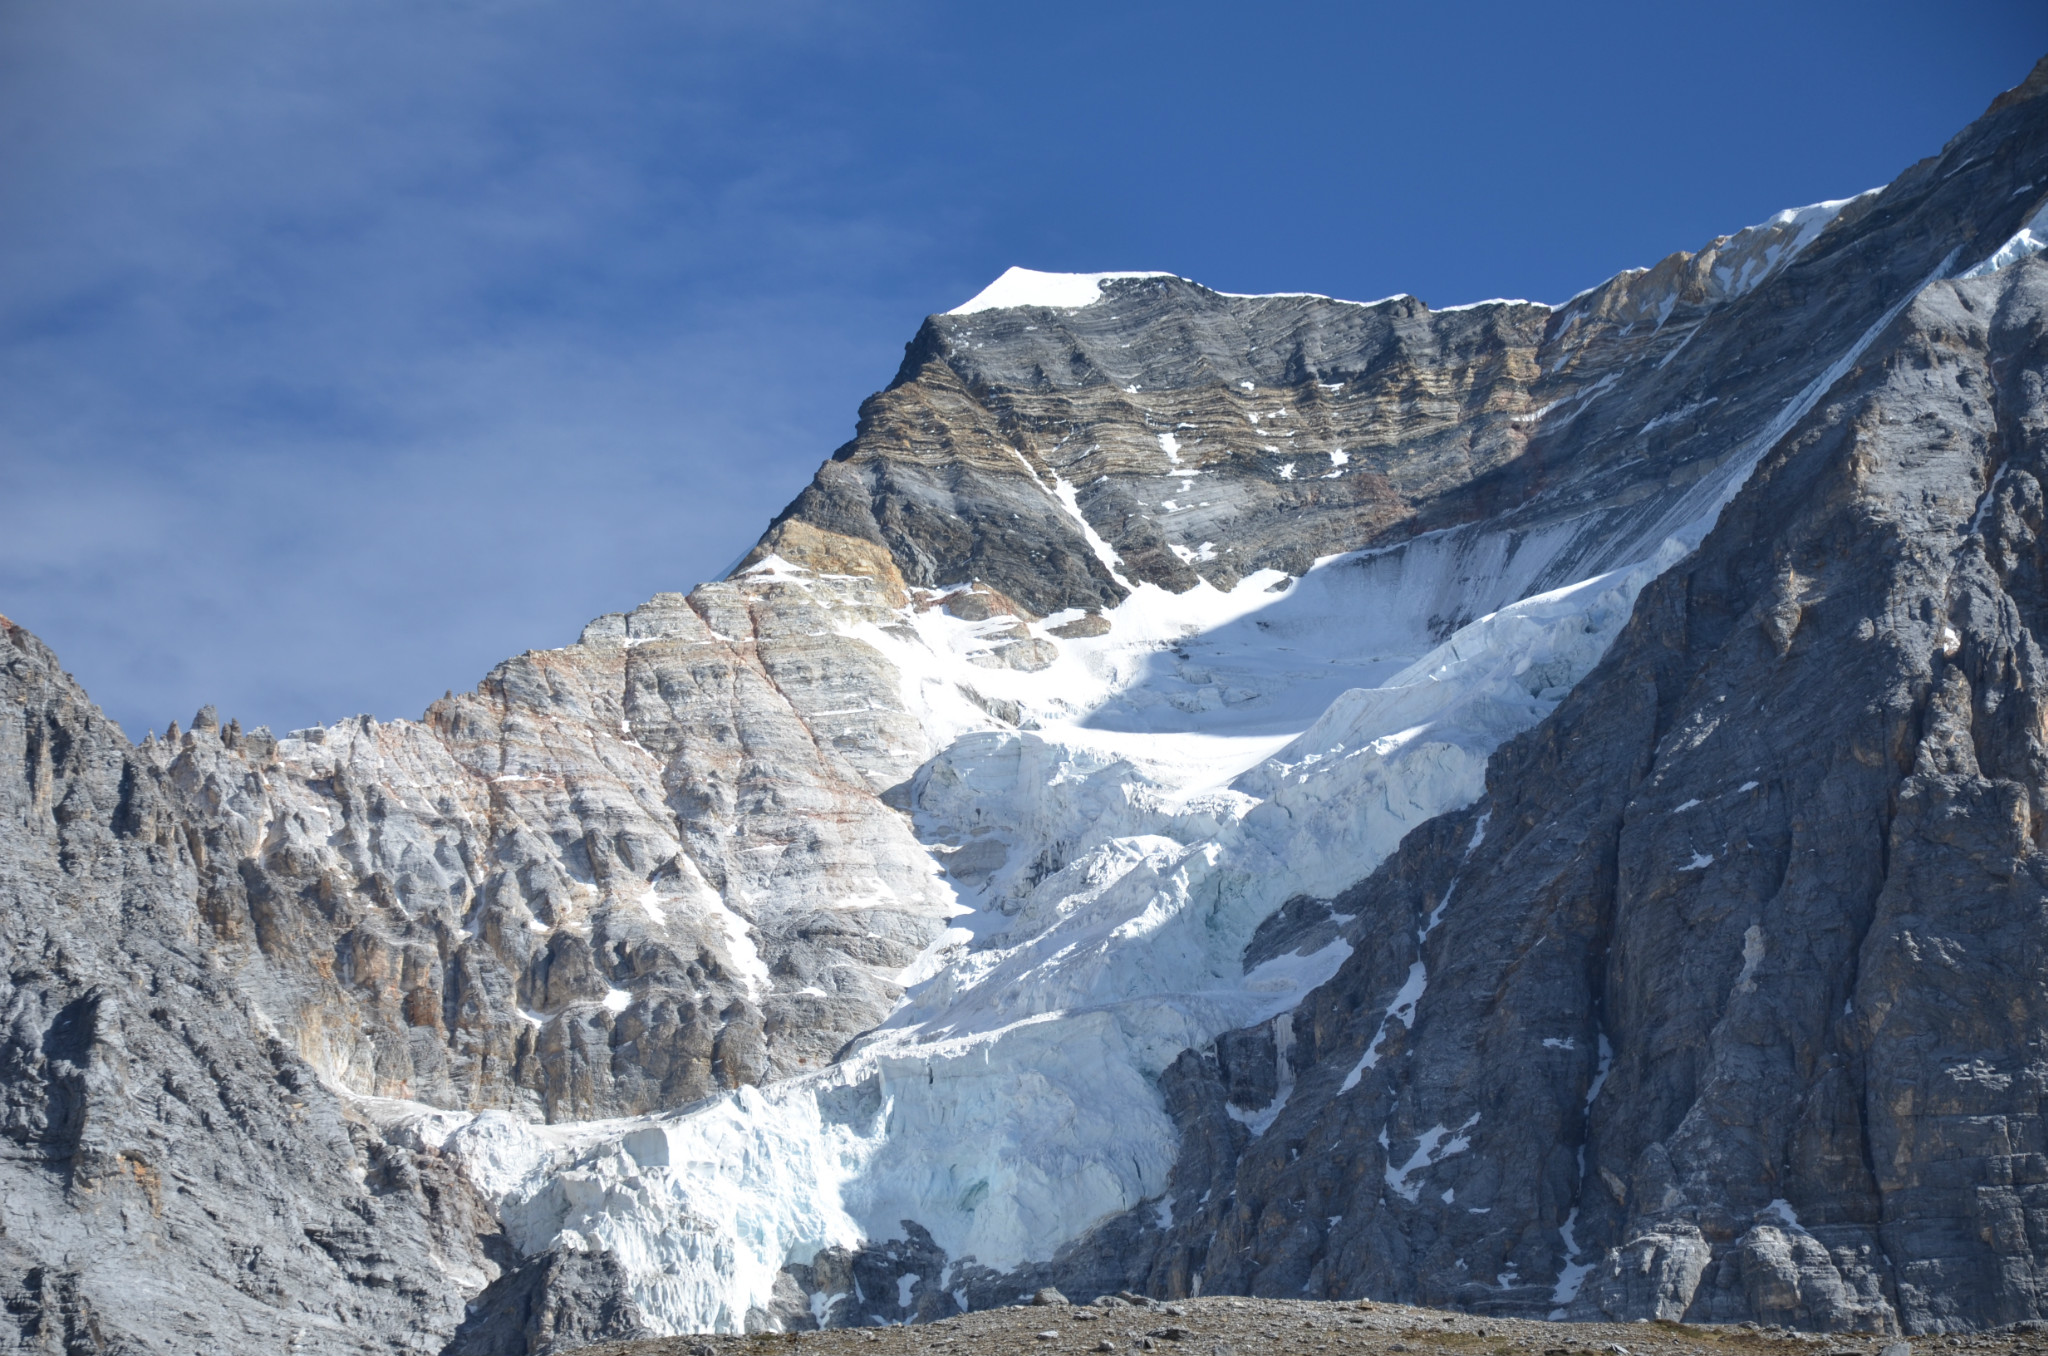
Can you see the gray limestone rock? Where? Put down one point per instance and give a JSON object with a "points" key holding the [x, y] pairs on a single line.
{"points": [[174, 1174], [617, 877], [552, 1303]]}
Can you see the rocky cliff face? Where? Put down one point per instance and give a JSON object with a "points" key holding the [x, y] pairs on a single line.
{"points": [[614, 878], [1721, 1003], [175, 1175], [1168, 433], [1534, 809], [1749, 919]]}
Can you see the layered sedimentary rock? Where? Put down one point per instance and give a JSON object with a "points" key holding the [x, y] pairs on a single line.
{"points": [[1200, 435], [1527, 808], [175, 1175], [615, 877]]}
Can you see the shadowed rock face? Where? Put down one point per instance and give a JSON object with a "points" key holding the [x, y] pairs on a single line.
{"points": [[1731, 1004], [1734, 1003]]}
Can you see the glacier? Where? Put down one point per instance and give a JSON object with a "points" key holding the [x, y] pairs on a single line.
{"points": [[1169, 785], [1212, 756]]}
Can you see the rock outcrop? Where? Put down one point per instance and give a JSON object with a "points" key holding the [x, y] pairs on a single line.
{"points": [[175, 1175], [614, 878]]}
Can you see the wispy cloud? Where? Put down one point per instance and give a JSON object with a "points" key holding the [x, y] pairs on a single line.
{"points": [[349, 347]]}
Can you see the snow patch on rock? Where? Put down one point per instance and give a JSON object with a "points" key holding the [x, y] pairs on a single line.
{"points": [[1029, 287]]}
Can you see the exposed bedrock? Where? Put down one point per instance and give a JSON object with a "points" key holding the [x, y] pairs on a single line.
{"points": [[616, 877], [173, 1174], [1731, 999]]}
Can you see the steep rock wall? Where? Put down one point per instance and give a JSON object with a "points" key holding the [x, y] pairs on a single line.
{"points": [[1730, 1006]]}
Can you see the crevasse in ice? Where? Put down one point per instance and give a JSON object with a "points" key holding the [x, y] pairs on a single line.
{"points": [[1211, 756]]}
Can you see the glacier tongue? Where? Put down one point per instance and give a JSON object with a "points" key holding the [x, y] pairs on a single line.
{"points": [[1111, 869], [1165, 787]]}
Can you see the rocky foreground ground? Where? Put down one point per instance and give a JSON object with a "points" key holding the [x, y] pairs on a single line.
{"points": [[1237, 1327]]}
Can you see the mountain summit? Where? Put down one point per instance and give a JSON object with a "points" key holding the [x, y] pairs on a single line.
{"points": [[1530, 809]]}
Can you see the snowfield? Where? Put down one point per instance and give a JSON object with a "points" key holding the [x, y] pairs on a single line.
{"points": [[1028, 287]]}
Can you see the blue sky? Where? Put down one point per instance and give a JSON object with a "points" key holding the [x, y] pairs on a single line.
{"points": [[350, 346]]}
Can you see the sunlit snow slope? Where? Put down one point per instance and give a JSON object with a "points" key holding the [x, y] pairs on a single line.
{"points": [[1212, 756]]}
